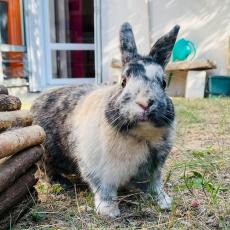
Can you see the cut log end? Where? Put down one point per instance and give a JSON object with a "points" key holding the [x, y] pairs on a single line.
{"points": [[9, 103]]}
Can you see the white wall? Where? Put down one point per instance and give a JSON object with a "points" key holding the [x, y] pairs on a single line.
{"points": [[205, 22], [113, 14]]}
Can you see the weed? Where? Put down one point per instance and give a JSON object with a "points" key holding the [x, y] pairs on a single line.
{"points": [[37, 216], [203, 152], [196, 180], [43, 188], [56, 189]]}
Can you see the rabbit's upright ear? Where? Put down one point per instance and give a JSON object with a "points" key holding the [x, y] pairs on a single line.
{"points": [[162, 49], [127, 43]]}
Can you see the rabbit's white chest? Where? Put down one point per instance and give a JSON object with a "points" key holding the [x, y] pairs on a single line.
{"points": [[123, 155], [123, 162]]}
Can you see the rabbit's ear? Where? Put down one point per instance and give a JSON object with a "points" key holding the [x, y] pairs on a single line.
{"points": [[127, 43], [162, 49]]}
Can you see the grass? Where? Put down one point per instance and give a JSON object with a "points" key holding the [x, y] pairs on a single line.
{"points": [[197, 176]]}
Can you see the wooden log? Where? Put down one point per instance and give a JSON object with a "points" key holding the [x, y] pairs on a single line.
{"points": [[14, 141], [17, 191], [9, 103], [3, 90], [15, 119], [18, 211], [17, 165]]}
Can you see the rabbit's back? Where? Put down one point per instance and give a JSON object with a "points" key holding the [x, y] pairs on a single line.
{"points": [[51, 111]]}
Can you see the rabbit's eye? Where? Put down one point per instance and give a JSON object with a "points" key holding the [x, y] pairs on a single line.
{"points": [[123, 83], [164, 84]]}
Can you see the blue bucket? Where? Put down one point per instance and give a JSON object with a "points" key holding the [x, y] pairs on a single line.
{"points": [[219, 85]]}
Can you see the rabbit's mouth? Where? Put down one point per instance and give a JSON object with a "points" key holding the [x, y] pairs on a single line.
{"points": [[143, 117]]}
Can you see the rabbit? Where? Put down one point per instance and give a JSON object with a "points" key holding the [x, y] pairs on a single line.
{"points": [[116, 134]]}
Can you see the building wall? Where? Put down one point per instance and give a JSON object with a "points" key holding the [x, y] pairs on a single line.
{"points": [[113, 14], [204, 22]]}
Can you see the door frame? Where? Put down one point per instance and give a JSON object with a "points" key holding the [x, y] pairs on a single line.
{"points": [[49, 47]]}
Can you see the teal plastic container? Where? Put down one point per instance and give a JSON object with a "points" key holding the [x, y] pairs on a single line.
{"points": [[219, 85], [182, 49]]}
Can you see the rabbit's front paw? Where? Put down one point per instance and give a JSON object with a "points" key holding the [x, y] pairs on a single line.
{"points": [[164, 201], [107, 209]]}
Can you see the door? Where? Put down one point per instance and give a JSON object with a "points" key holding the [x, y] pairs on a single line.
{"points": [[69, 41]]}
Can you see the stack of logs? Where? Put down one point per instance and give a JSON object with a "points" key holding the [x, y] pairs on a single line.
{"points": [[20, 150]]}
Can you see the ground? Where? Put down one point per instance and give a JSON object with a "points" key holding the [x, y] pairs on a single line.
{"points": [[197, 176]]}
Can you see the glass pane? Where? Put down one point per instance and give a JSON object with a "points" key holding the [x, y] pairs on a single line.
{"points": [[71, 21], [13, 64], [73, 64], [11, 22]]}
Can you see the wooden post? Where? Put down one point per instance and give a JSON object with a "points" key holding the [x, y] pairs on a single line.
{"points": [[195, 84]]}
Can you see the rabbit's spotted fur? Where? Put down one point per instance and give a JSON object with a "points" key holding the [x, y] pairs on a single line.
{"points": [[111, 135]]}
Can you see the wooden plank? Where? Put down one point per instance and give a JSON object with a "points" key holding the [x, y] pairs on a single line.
{"points": [[14, 167], [18, 118], [14, 141], [191, 65], [178, 66]]}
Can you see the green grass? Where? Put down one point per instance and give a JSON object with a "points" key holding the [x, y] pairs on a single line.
{"points": [[187, 116], [197, 176]]}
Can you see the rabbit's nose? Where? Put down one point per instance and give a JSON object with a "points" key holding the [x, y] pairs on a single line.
{"points": [[146, 105]]}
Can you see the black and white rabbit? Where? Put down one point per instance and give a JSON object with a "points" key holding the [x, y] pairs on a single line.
{"points": [[111, 135]]}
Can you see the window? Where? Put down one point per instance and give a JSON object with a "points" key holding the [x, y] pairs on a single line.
{"points": [[71, 39]]}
